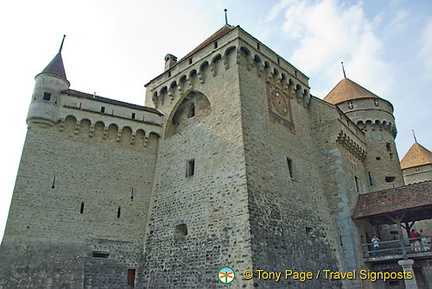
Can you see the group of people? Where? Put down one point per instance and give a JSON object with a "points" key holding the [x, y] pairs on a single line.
{"points": [[418, 241]]}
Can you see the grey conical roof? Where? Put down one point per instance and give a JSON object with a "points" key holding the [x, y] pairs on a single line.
{"points": [[56, 66]]}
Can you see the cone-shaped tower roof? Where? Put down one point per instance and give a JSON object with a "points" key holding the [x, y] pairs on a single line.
{"points": [[347, 89], [416, 156], [56, 65]]}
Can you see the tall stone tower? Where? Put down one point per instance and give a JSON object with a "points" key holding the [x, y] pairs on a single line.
{"points": [[236, 182], [374, 115]]}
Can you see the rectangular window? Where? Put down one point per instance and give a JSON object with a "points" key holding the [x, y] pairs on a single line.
{"points": [[131, 277], [133, 115], [47, 96], [290, 167], [389, 179], [215, 44], [190, 168], [357, 184], [118, 212], [103, 109], [190, 60], [99, 254], [82, 208], [388, 147]]}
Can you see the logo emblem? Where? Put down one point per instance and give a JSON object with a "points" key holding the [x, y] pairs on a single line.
{"points": [[226, 275]]}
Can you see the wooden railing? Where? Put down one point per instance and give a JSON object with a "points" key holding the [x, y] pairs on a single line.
{"points": [[398, 247]]}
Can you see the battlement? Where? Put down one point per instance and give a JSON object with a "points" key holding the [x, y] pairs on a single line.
{"points": [[233, 47]]}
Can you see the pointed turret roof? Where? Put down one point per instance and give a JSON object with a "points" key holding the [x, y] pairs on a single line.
{"points": [[347, 89], [56, 65], [416, 156]]}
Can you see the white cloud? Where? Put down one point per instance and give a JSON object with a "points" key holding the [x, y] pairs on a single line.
{"points": [[426, 45], [330, 32]]}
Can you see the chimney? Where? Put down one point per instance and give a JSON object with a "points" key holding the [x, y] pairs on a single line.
{"points": [[170, 61]]}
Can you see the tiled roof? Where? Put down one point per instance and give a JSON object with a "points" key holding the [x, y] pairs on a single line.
{"points": [[416, 156], [56, 66], [218, 34], [414, 199], [347, 89]]}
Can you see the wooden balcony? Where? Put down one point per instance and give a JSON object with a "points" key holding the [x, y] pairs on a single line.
{"points": [[396, 250]]}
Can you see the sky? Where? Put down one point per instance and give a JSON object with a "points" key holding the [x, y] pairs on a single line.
{"points": [[114, 47]]}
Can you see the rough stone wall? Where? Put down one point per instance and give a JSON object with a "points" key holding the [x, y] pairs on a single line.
{"points": [[212, 203], [290, 225], [72, 187]]}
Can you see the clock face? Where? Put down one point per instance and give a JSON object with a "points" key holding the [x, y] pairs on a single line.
{"points": [[279, 102], [279, 106]]}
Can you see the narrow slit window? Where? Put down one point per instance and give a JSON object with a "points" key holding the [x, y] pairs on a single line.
{"points": [[215, 44], [133, 115], [191, 110], [258, 46], [190, 168], [98, 254], [370, 179], [190, 60], [118, 212], [82, 208], [47, 96], [290, 167], [357, 184]]}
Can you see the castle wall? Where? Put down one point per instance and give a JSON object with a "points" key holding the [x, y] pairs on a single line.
{"points": [[417, 174], [86, 185]]}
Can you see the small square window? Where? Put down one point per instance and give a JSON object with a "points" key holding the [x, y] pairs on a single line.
{"points": [[103, 109], [389, 179], [190, 168], [47, 96]]}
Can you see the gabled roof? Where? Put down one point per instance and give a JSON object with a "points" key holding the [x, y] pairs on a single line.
{"points": [[416, 156], [56, 66], [415, 200], [218, 34], [347, 89]]}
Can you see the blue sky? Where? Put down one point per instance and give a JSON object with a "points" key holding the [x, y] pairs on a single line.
{"points": [[114, 47]]}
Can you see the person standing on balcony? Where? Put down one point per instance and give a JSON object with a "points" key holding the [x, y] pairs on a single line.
{"points": [[415, 241], [376, 245]]}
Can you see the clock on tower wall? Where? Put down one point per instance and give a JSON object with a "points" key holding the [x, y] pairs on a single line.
{"points": [[279, 106]]}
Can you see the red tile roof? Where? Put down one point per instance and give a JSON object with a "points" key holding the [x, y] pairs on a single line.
{"points": [[417, 155], [413, 199], [347, 89]]}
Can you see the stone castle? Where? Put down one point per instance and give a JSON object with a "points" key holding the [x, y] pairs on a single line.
{"points": [[231, 162]]}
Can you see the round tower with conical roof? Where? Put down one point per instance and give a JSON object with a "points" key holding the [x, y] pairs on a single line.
{"points": [[50, 83], [416, 165], [374, 115]]}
